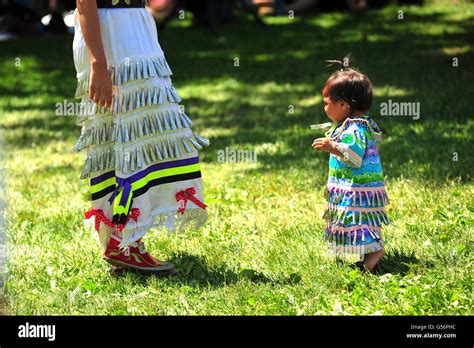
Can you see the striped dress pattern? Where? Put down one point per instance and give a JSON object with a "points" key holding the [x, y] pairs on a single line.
{"points": [[142, 159], [355, 193]]}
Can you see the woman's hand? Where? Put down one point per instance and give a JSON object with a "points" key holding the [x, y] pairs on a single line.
{"points": [[100, 89]]}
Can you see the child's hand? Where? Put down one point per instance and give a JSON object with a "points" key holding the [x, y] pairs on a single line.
{"points": [[327, 145], [324, 144]]}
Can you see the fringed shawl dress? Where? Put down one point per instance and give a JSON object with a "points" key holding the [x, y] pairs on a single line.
{"points": [[142, 156], [355, 190]]}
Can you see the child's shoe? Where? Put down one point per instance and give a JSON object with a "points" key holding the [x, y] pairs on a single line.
{"points": [[134, 257]]}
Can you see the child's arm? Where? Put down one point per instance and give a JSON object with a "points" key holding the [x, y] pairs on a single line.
{"points": [[327, 145], [350, 146], [100, 81]]}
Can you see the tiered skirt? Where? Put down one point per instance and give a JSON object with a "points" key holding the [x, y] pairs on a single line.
{"points": [[355, 216], [142, 158]]}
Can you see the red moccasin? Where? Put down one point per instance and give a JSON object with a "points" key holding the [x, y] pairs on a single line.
{"points": [[134, 257]]}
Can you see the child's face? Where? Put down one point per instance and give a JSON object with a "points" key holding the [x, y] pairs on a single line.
{"points": [[336, 111]]}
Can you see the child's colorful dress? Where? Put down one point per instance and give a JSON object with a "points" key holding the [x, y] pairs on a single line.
{"points": [[142, 156], [355, 190]]}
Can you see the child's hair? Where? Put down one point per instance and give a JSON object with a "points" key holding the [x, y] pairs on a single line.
{"points": [[350, 86]]}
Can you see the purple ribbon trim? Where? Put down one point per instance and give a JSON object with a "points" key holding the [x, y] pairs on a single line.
{"points": [[126, 183]]}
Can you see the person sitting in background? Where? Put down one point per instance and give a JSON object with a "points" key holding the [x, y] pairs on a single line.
{"points": [[299, 6], [161, 9], [21, 20], [353, 6], [265, 7], [204, 12]]}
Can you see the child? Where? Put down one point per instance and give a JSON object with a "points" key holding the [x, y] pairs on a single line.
{"points": [[142, 156], [355, 190]]}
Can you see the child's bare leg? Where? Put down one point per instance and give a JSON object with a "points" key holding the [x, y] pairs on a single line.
{"points": [[371, 259]]}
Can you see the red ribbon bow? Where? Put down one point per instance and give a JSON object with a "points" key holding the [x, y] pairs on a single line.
{"points": [[99, 216], [183, 196]]}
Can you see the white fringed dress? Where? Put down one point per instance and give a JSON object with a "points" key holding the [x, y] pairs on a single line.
{"points": [[142, 156]]}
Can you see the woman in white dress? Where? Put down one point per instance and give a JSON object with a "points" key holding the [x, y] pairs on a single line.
{"points": [[142, 156]]}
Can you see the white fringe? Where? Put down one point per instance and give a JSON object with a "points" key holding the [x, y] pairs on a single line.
{"points": [[145, 95], [361, 250], [102, 236], [348, 155], [148, 123], [128, 70], [143, 153], [173, 221], [336, 216]]}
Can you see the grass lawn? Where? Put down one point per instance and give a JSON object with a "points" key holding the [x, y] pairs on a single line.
{"points": [[262, 250]]}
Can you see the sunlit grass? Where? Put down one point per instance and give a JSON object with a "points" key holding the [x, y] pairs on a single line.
{"points": [[262, 250]]}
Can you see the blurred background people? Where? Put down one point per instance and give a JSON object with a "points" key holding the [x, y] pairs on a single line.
{"points": [[26, 17]]}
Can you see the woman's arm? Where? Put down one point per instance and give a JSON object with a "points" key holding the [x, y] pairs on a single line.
{"points": [[100, 81]]}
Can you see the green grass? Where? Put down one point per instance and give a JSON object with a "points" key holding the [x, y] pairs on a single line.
{"points": [[262, 250]]}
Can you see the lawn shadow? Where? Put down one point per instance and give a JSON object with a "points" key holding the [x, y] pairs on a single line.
{"points": [[256, 101], [396, 262], [24, 133], [195, 271]]}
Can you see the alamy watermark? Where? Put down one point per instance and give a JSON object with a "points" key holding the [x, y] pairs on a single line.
{"points": [[229, 155], [403, 109], [37, 331], [68, 108], [356, 252]]}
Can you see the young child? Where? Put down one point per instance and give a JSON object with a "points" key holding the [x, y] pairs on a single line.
{"points": [[355, 190]]}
